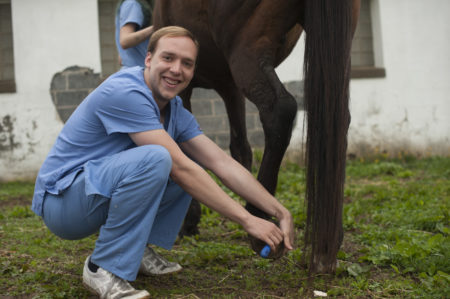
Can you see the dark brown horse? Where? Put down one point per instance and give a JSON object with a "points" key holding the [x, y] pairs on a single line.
{"points": [[242, 41]]}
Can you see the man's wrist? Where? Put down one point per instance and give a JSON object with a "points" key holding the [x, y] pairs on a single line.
{"points": [[282, 213]]}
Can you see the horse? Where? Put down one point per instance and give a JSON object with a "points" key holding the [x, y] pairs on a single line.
{"points": [[241, 44]]}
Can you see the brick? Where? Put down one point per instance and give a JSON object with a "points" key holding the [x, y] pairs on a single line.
{"points": [[366, 44], [83, 79], [296, 89], [7, 86], [213, 124], [250, 107], [258, 125], [357, 59], [69, 98], [222, 140], [65, 113], [202, 108], [356, 45], [364, 30], [250, 121], [106, 8], [105, 37], [366, 58], [365, 9], [7, 72], [107, 41], [5, 10], [108, 68], [6, 42], [59, 82], [202, 93], [6, 25], [110, 52], [256, 139], [105, 21], [219, 107], [362, 44]]}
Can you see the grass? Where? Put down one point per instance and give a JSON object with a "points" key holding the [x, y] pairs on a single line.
{"points": [[396, 244]]}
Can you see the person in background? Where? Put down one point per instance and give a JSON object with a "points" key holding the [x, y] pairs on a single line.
{"points": [[133, 30]]}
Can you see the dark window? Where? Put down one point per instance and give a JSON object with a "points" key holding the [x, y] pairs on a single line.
{"points": [[363, 65], [7, 83]]}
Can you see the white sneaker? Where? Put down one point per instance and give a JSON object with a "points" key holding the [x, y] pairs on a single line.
{"points": [[154, 264], [108, 286]]}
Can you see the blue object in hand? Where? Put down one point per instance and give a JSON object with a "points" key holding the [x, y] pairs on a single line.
{"points": [[265, 251]]}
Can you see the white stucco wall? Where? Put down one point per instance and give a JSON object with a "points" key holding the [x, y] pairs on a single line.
{"points": [[406, 110], [409, 109], [49, 36]]}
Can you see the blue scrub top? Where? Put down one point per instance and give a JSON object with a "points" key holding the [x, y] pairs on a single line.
{"points": [[131, 12], [99, 127]]}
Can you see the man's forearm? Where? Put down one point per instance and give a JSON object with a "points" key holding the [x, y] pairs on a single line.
{"points": [[242, 182], [197, 182]]}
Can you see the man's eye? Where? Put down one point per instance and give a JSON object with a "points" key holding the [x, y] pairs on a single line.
{"points": [[167, 58], [188, 64]]}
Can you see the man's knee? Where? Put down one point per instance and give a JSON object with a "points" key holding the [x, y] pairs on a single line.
{"points": [[146, 162], [157, 156]]}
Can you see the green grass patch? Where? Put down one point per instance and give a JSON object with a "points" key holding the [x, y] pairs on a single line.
{"points": [[396, 243]]}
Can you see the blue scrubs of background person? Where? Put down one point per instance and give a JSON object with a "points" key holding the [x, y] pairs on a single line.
{"points": [[133, 29]]}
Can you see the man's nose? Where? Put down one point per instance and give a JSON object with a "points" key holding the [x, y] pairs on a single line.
{"points": [[176, 67]]}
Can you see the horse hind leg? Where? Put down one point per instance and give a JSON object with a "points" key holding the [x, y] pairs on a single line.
{"points": [[277, 110], [277, 120]]}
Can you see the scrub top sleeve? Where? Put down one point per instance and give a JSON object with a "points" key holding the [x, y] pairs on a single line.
{"points": [[131, 12], [187, 126], [128, 114]]}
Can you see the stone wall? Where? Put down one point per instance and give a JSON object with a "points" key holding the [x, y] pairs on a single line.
{"points": [[72, 85], [69, 87]]}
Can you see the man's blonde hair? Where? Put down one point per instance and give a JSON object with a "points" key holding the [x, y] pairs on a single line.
{"points": [[170, 31]]}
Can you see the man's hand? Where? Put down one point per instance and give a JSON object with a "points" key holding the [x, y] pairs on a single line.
{"points": [[287, 227], [264, 230]]}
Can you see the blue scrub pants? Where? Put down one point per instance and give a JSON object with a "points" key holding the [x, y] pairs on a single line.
{"points": [[145, 207]]}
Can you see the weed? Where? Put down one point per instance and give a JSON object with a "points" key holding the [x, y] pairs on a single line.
{"points": [[396, 244]]}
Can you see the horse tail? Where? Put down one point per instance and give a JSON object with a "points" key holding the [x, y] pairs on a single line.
{"points": [[328, 30]]}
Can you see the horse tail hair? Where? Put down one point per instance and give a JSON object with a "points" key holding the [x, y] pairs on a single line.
{"points": [[328, 30]]}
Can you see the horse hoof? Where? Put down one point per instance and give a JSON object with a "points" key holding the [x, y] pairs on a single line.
{"points": [[257, 245]]}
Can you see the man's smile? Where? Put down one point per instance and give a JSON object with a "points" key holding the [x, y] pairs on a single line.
{"points": [[171, 82]]}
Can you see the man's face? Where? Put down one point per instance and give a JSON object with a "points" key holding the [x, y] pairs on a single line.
{"points": [[170, 68]]}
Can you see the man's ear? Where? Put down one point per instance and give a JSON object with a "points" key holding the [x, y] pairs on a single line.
{"points": [[148, 58]]}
